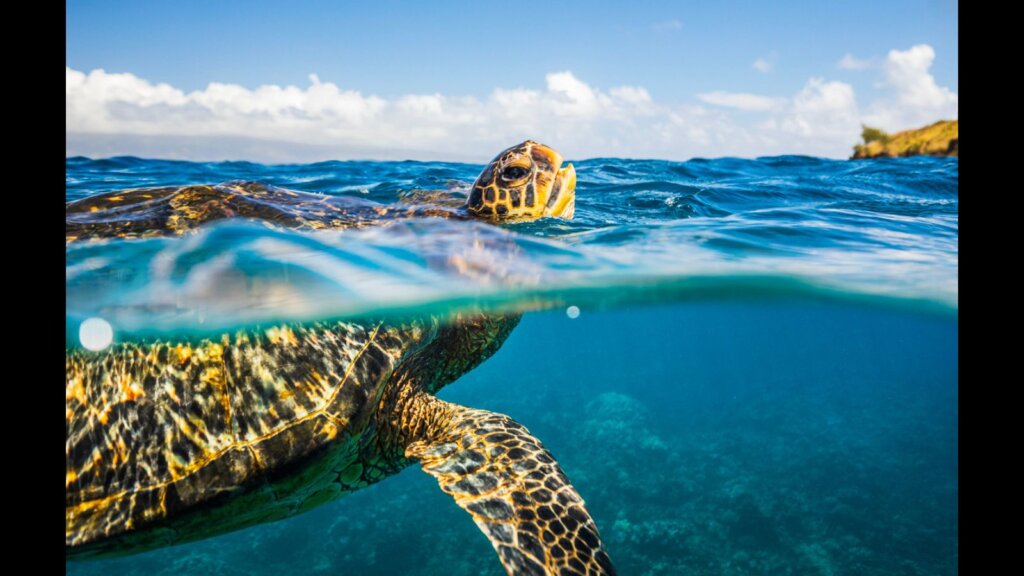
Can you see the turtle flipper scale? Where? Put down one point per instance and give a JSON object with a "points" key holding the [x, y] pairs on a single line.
{"points": [[514, 490]]}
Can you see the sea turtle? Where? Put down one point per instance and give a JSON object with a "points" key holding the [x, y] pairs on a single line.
{"points": [[172, 440]]}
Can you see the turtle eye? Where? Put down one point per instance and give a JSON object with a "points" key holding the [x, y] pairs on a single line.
{"points": [[513, 173]]}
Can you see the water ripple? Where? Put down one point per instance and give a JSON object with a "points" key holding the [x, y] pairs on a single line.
{"points": [[884, 227]]}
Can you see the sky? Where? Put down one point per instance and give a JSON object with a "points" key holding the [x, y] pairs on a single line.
{"points": [[304, 81]]}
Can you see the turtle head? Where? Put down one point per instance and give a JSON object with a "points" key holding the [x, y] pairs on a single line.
{"points": [[525, 182]]}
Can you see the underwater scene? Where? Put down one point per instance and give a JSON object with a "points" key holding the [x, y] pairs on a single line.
{"points": [[742, 366]]}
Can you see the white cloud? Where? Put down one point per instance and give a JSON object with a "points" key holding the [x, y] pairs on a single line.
{"points": [[821, 119], [741, 100], [573, 97], [766, 64], [109, 114], [915, 98], [668, 26], [851, 62], [826, 111]]}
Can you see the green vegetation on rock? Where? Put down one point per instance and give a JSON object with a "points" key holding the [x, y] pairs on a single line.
{"points": [[870, 135], [938, 139]]}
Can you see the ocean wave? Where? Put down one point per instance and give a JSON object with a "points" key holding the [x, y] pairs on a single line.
{"points": [[644, 230]]}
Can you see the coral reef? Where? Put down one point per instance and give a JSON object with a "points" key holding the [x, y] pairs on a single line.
{"points": [[814, 458]]}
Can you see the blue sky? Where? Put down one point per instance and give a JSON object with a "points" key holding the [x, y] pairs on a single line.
{"points": [[737, 78]]}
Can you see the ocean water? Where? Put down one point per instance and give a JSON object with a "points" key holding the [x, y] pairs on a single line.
{"points": [[761, 379]]}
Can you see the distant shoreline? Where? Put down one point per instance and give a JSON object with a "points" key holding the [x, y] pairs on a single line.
{"points": [[938, 139]]}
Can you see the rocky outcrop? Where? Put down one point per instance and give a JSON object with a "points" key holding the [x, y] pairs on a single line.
{"points": [[938, 139]]}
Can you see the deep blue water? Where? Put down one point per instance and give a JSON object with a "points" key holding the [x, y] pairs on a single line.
{"points": [[762, 378]]}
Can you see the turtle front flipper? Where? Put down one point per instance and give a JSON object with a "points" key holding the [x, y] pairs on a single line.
{"points": [[517, 494]]}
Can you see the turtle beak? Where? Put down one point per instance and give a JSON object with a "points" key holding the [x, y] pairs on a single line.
{"points": [[562, 201]]}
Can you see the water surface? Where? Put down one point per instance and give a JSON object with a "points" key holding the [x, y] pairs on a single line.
{"points": [[762, 378]]}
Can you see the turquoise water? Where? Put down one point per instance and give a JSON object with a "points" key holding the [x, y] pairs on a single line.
{"points": [[762, 378]]}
